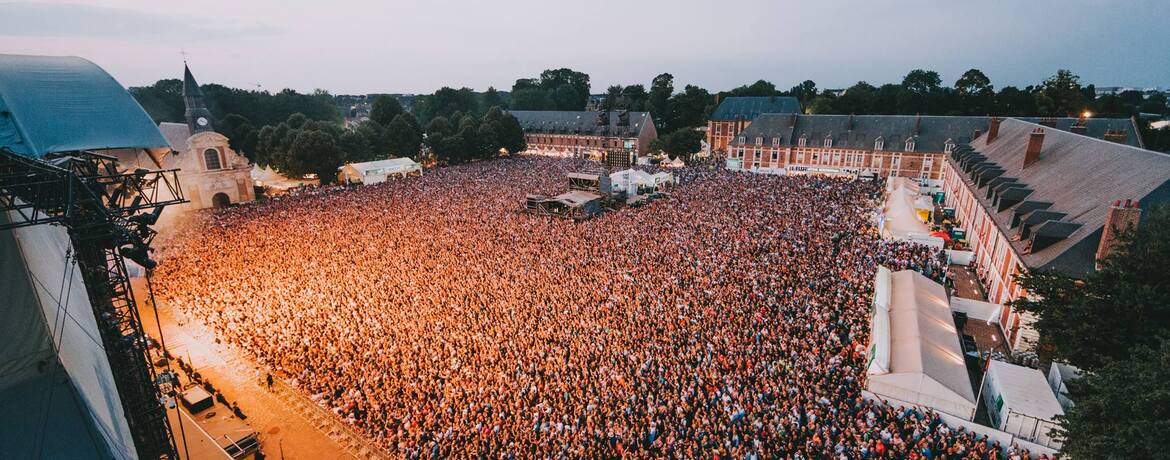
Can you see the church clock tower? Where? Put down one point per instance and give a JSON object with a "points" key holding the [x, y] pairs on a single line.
{"points": [[198, 117]]}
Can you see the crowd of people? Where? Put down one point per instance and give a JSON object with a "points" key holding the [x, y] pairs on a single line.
{"points": [[726, 320]]}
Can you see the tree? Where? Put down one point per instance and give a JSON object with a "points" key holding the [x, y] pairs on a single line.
{"points": [[511, 135], [163, 100], [402, 136], [1013, 101], [384, 109], [659, 103], [491, 98], [822, 104], [1122, 410], [635, 97], [858, 99], [1061, 95], [1078, 318], [920, 90], [806, 91], [445, 102], [975, 93], [241, 135], [613, 98], [691, 107], [682, 142], [357, 147]]}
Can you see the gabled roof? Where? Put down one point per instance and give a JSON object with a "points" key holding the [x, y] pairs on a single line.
{"points": [[61, 104], [586, 123], [1079, 176], [749, 108]]}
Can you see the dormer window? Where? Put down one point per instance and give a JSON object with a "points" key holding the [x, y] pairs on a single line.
{"points": [[803, 141], [775, 142], [828, 142], [759, 141], [742, 139], [879, 144], [949, 146], [910, 145]]}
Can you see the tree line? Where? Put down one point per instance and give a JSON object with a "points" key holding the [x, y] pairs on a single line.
{"points": [[244, 115]]}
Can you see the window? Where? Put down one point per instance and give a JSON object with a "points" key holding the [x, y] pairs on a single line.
{"points": [[879, 144], [775, 156], [742, 139], [910, 145], [211, 159], [949, 146], [775, 142], [828, 142], [803, 141], [759, 141]]}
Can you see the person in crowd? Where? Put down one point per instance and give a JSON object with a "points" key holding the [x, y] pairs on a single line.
{"points": [[728, 319]]}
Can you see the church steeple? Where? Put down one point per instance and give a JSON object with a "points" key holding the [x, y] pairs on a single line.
{"points": [[198, 117]]}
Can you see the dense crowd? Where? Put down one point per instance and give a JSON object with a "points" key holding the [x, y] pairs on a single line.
{"points": [[728, 319]]}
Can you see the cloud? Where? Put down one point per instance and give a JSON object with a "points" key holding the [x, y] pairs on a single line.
{"points": [[23, 19]]}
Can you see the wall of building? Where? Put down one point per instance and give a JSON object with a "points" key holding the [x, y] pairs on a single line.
{"points": [[995, 259], [913, 165]]}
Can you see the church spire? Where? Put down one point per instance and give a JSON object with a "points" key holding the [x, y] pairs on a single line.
{"points": [[198, 117]]}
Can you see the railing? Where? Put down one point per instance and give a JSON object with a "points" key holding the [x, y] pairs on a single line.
{"points": [[354, 443]]}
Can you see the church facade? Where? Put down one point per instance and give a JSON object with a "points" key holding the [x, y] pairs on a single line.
{"points": [[211, 174]]}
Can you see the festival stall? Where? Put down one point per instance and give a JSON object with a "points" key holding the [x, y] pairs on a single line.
{"points": [[1019, 401], [924, 364]]}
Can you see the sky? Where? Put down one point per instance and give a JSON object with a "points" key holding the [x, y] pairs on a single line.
{"points": [[393, 46]]}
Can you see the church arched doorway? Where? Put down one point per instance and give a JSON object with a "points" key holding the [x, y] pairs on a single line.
{"points": [[220, 200]]}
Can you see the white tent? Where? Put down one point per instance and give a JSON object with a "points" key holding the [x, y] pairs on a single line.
{"points": [[901, 213], [631, 180], [879, 350], [268, 177], [926, 365], [373, 172], [1019, 401]]}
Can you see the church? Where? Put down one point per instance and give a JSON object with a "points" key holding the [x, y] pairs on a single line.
{"points": [[211, 174]]}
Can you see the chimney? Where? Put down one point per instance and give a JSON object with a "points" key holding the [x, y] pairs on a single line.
{"points": [[918, 124], [1035, 142], [978, 132], [1116, 135], [850, 122], [791, 120], [1048, 121], [1122, 216], [993, 129]]}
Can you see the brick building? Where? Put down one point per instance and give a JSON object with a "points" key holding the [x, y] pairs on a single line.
{"points": [[1036, 198], [734, 114], [909, 146], [580, 133]]}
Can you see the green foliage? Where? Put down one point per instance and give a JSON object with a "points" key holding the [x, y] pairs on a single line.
{"points": [[1121, 411], [1115, 325], [556, 89], [1078, 318], [242, 136], [164, 102], [661, 88], [403, 136], [806, 91], [1061, 95], [446, 102], [474, 139], [690, 108], [682, 143], [384, 109]]}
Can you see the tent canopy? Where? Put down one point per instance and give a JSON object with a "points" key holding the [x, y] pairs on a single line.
{"points": [[62, 104], [926, 364], [901, 211], [1024, 390]]}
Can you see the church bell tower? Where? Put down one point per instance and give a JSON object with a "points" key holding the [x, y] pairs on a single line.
{"points": [[198, 117]]}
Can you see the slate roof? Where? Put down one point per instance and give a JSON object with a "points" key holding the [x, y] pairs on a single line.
{"points": [[1079, 175], [930, 133], [569, 122], [749, 108]]}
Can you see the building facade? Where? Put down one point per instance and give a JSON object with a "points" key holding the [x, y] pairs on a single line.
{"points": [[735, 114], [1034, 198], [212, 174], [583, 133], [910, 146]]}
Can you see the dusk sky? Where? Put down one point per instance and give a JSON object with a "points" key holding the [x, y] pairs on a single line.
{"points": [[354, 47]]}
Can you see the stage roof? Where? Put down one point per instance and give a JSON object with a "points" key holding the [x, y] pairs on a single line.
{"points": [[60, 104]]}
